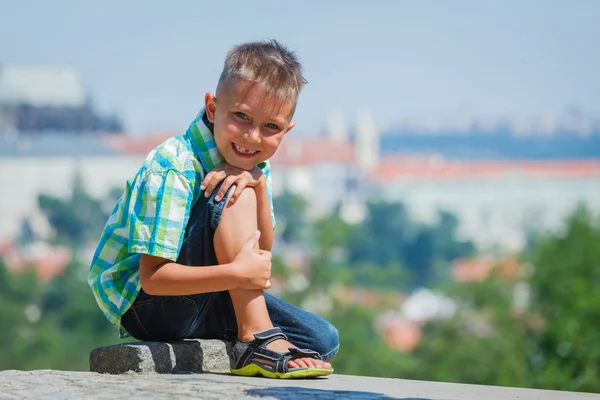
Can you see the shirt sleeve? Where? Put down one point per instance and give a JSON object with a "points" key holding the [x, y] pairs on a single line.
{"points": [[159, 210], [266, 169]]}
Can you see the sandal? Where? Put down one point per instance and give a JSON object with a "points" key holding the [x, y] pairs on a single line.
{"points": [[243, 358]]}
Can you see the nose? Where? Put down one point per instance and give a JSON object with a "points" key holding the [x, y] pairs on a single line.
{"points": [[254, 135]]}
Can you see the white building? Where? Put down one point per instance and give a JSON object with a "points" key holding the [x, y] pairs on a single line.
{"points": [[496, 202], [37, 98]]}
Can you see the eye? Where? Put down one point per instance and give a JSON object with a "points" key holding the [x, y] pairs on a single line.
{"points": [[241, 115], [272, 126]]}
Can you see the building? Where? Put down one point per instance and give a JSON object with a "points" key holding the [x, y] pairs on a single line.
{"points": [[498, 203], [43, 98]]}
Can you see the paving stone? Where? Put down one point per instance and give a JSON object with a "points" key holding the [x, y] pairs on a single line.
{"points": [[187, 356]]}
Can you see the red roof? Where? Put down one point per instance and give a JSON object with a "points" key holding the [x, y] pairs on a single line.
{"points": [[290, 152], [480, 268], [136, 145], [431, 168], [400, 335], [306, 152], [294, 152]]}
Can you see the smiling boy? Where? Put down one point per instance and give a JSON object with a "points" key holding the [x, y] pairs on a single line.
{"points": [[186, 250]]}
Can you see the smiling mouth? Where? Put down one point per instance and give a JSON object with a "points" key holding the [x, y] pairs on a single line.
{"points": [[243, 152]]}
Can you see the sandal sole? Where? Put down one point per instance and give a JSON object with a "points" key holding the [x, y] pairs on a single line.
{"points": [[255, 370]]}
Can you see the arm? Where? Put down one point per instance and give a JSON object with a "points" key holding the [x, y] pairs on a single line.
{"points": [[250, 269], [162, 277], [265, 224]]}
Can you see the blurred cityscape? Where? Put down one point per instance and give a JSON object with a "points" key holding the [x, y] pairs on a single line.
{"points": [[416, 240]]}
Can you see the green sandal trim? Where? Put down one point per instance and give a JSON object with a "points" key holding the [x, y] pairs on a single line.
{"points": [[243, 358], [256, 370]]}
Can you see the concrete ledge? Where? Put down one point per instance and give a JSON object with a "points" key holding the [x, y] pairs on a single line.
{"points": [[48, 384], [188, 356]]}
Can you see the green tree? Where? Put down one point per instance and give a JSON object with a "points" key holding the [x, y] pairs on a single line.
{"points": [[362, 351], [550, 344], [52, 325], [291, 215], [565, 293], [389, 237], [484, 343], [77, 218]]}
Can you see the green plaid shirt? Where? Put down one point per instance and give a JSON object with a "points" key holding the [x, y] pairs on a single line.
{"points": [[151, 215]]}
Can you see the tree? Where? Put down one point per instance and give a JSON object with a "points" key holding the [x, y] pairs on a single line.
{"points": [[78, 218], [551, 344], [388, 236], [484, 343], [565, 292], [291, 215], [362, 351]]}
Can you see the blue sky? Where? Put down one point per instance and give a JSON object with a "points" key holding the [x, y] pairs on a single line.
{"points": [[427, 60]]}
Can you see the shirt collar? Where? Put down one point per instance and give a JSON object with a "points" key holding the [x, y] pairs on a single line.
{"points": [[200, 133]]}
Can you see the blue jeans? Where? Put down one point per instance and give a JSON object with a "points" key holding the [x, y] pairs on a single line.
{"points": [[211, 315]]}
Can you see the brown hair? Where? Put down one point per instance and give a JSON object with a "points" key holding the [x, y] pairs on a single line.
{"points": [[270, 64]]}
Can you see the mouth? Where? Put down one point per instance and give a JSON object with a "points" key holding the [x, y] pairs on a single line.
{"points": [[243, 152]]}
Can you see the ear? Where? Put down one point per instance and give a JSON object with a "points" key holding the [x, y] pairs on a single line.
{"points": [[210, 104], [290, 126]]}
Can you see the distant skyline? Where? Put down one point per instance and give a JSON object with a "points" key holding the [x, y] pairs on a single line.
{"points": [[425, 61]]}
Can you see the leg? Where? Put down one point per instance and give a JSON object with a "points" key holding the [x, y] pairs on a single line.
{"points": [[169, 318], [305, 330], [237, 222]]}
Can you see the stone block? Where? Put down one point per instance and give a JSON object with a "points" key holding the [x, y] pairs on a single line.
{"points": [[187, 356]]}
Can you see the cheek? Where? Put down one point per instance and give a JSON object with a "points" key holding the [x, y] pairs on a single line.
{"points": [[232, 129], [271, 143], [225, 131]]}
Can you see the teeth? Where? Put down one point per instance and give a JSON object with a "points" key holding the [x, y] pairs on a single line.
{"points": [[243, 150]]}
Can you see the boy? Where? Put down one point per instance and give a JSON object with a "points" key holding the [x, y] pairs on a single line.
{"points": [[186, 250]]}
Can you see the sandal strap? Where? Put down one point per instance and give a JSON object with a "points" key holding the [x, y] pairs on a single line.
{"points": [[257, 347], [282, 363], [300, 353], [273, 334], [243, 353]]}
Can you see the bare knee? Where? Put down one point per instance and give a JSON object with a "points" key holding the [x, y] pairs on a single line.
{"points": [[238, 222], [246, 201]]}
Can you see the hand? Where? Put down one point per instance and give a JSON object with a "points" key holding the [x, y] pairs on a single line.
{"points": [[252, 266], [230, 176]]}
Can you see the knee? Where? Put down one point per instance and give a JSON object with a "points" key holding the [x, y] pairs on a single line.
{"points": [[245, 207], [246, 200], [332, 340], [329, 340]]}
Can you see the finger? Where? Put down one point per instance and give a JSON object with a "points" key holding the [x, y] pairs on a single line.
{"points": [[252, 241], [267, 284], [266, 254], [256, 174], [207, 179], [238, 190], [214, 182], [225, 187]]}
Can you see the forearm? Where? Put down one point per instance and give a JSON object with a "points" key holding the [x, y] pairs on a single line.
{"points": [[172, 279], [265, 224]]}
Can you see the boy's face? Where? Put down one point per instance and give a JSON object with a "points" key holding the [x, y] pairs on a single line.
{"points": [[247, 128]]}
